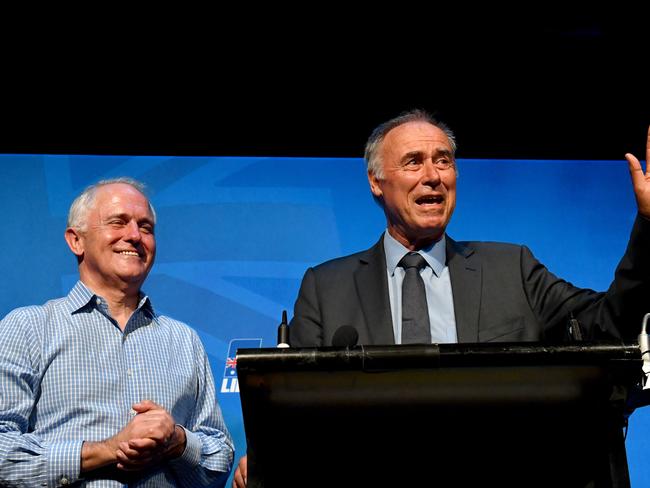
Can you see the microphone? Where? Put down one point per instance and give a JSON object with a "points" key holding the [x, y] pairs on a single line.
{"points": [[644, 345], [575, 331], [283, 331], [345, 336]]}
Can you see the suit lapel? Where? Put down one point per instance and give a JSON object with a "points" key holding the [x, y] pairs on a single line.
{"points": [[465, 273], [372, 287]]}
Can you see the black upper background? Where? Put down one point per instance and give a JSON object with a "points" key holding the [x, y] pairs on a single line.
{"points": [[518, 85]]}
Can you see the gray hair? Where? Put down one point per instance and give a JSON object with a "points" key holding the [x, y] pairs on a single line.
{"points": [[86, 201], [371, 155]]}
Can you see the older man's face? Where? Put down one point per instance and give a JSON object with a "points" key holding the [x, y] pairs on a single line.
{"points": [[118, 247], [418, 189]]}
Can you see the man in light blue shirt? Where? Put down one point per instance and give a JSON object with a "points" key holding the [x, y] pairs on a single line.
{"points": [[97, 388]]}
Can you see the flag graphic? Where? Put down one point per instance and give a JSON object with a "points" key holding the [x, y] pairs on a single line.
{"points": [[230, 370]]}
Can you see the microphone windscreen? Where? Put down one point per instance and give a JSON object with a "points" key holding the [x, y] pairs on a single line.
{"points": [[345, 336]]}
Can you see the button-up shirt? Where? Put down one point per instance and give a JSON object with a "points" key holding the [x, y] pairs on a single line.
{"points": [[437, 285], [68, 374]]}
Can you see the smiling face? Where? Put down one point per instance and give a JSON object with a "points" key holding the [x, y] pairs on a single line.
{"points": [[117, 248], [418, 187]]}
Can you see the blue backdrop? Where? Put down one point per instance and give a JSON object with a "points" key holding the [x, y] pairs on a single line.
{"points": [[235, 236]]}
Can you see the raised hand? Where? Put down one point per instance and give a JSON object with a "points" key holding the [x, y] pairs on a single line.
{"points": [[641, 180]]}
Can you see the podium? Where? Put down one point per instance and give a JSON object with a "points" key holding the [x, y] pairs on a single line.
{"points": [[507, 414]]}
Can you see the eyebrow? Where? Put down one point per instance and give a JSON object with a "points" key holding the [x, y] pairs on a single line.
{"points": [[411, 154], [415, 154], [127, 217]]}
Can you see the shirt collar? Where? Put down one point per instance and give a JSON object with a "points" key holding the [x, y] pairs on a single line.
{"points": [[81, 297], [435, 255]]}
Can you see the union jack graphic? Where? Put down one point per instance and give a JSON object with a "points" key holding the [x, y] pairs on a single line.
{"points": [[230, 370]]}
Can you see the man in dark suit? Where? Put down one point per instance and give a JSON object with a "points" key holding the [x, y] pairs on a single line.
{"points": [[475, 292], [484, 291]]}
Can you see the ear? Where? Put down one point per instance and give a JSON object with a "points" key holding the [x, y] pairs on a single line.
{"points": [[375, 186], [75, 241]]}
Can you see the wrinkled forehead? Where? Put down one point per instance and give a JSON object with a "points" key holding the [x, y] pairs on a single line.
{"points": [[415, 136]]}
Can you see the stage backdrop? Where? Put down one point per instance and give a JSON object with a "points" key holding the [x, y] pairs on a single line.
{"points": [[235, 236]]}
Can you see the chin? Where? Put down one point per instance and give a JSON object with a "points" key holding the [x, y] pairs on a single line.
{"points": [[430, 228], [433, 233], [133, 276]]}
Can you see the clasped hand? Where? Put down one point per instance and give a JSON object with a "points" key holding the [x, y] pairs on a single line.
{"points": [[148, 439]]}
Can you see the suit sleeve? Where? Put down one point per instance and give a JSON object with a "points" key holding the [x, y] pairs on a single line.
{"points": [[615, 314], [306, 326]]}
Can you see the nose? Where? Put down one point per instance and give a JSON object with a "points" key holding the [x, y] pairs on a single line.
{"points": [[132, 232], [431, 175]]}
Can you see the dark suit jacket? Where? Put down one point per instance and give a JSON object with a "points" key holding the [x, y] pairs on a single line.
{"points": [[501, 293]]}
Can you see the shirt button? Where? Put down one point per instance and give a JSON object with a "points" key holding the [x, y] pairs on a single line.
{"points": [[64, 481], [132, 413]]}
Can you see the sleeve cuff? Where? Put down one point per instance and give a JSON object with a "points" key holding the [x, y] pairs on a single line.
{"points": [[191, 456], [64, 463]]}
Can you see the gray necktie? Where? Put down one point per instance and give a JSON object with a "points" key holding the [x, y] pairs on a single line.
{"points": [[415, 313]]}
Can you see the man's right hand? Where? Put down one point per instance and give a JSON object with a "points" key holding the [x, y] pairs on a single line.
{"points": [[241, 474]]}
